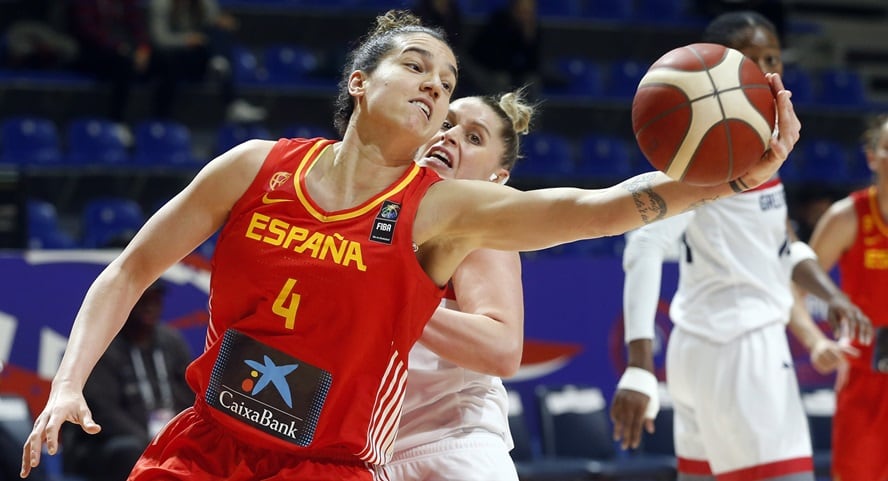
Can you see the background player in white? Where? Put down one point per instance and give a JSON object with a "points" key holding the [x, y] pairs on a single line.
{"points": [[729, 369], [454, 423]]}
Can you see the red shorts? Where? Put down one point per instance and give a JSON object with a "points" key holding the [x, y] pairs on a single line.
{"points": [[193, 446], [860, 428]]}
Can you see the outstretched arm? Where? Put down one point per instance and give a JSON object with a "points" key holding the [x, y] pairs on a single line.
{"points": [[168, 236], [456, 217]]}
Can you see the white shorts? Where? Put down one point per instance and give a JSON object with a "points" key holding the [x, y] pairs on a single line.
{"points": [[737, 407], [474, 456]]}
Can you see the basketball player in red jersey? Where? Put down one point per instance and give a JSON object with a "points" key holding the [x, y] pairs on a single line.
{"points": [[330, 261], [854, 234]]}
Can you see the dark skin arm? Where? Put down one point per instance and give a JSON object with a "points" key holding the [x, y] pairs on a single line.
{"points": [[628, 406]]}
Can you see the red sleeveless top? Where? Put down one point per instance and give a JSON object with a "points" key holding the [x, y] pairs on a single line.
{"points": [[864, 267], [313, 313]]}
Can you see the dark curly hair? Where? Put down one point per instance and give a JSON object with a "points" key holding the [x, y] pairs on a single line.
{"points": [[366, 56]]}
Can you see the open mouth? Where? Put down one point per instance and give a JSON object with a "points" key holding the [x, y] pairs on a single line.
{"points": [[427, 110], [443, 158]]}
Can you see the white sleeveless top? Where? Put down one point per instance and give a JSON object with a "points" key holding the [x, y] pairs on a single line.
{"points": [[443, 399]]}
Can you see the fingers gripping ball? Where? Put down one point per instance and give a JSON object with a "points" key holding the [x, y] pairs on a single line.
{"points": [[703, 114]]}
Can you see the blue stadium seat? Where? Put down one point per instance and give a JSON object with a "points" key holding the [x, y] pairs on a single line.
{"points": [[29, 141], [584, 77], [609, 9], [547, 155], [574, 424], [304, 131], [528, 463], [824, 161], [624, 77], [110, 219], [293, 65], [839, 87], [232, 134], [44, 231], [662, 11], [480, 8], [163, 143], [94, 141], [800, 82], [605, 157], [560, 8], [246, 68]]}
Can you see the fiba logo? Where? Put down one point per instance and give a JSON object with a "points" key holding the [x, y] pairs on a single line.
{"points": [[389, 211], [277, 179]]}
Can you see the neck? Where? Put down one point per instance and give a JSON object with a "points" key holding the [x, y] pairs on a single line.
{"points": [[350, 172]]}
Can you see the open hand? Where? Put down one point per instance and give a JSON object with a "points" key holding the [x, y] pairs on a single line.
{"points": [[64, 404]]}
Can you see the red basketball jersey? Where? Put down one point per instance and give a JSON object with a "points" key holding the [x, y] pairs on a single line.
{"points": [[313, 313], [864, 267]]}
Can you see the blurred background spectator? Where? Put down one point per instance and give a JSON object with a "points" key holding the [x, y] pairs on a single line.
{"points": [[114, 47], [192, 42], [38, 38], [507, 48], [137, 386]]}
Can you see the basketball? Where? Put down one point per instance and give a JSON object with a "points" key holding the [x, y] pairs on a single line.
{"points": [[703, 114]]}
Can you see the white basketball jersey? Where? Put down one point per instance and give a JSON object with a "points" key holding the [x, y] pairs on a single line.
{"points": [[443, 399], [734, 266]]}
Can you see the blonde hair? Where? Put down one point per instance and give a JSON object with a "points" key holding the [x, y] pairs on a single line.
{"points": [[873, 132], [516, 114]]}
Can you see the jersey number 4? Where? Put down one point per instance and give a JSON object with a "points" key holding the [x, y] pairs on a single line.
{"points": [[287, 303]]}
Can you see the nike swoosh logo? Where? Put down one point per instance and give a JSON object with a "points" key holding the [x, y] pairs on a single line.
{"points": [[267, 200]]}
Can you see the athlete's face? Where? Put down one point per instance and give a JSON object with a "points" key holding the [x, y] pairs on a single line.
{"points": [[469, 145], [763, 48], [409, 91], [877, 156]]}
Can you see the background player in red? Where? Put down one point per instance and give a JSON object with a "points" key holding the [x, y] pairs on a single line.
{"points": [[330, 261], [854, 233], [455, 420]]}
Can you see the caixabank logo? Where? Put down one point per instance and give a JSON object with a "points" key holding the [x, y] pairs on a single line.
{"points": [[267, 389]]}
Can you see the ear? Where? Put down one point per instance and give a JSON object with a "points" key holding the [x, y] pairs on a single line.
{"points": [[356, 83], [501, 176], [871, 160]]}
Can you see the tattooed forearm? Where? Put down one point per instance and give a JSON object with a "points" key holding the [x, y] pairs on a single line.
{"points": [[651, 207]]}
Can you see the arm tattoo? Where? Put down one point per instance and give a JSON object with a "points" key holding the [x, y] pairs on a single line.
{"points": [[649, 204]]}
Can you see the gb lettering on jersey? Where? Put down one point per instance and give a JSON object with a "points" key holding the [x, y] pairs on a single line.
{"points": [[384, 224], [267, 389]]}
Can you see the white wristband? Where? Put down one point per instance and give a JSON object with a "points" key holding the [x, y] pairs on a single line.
{"points": [[643, 381], [799, 251]]}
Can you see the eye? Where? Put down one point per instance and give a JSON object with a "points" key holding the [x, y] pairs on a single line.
{"points": [[475, 139], [448, 86], [446, 125], [414, 66]]}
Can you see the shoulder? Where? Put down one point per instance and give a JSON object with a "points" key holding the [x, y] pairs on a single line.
{"points": [[243, 161], [837, 227], [841, 213]]}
